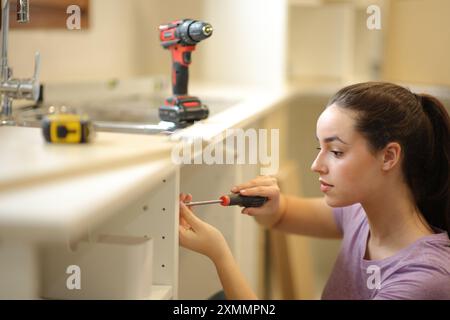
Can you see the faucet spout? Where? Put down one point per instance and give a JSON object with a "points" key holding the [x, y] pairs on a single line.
{"points": [[10, 88], [5, 29], [23, 11]]}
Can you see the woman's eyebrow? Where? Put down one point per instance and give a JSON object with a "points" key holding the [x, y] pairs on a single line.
{"points": [[331, 139]]}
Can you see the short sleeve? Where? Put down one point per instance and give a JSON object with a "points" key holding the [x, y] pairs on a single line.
{"points": [[419, 285]]}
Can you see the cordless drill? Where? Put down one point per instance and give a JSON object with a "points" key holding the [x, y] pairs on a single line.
{"points": [[181, 37]]}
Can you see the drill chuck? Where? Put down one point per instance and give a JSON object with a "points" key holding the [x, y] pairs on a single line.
{"points": [[185, 32], [192, 32]]}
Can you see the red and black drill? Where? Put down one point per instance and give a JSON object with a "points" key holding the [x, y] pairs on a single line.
{"points": [[181, 37]]}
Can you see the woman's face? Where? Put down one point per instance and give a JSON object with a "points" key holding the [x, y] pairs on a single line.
{"points": [[348, 171]]}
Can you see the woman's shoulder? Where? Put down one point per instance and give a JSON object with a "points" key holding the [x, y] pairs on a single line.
{"points": [[432, 251], [418, 281], [423, 271], [417, 284]]}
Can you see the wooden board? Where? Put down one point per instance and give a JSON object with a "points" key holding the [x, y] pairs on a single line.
{"points": [[26, 158]]}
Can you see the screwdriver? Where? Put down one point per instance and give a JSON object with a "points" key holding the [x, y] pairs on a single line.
{"points": [[234, 200]]}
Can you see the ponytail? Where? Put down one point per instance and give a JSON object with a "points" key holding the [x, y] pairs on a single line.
{"points": [[434, 203]]}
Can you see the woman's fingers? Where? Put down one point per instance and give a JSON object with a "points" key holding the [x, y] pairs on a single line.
{"points": [[186, 198], [253, 211], [183, 197], [189, 216], [263, 191], [189, 199], [259, 181]]}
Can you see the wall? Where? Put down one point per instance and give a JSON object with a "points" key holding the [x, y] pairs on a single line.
{"points": [[325, 53], [418, 46], [122, 42], [248, 46], [107, 49], [330, 41]]}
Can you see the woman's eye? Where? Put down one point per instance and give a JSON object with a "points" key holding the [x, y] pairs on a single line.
{"points": [[337, 154]]}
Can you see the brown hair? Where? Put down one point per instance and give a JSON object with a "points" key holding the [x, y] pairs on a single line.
{"points": [[386, 112]]}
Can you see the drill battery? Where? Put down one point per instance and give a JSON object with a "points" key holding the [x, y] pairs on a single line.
{"points": [[183, 109], [67, 128]]}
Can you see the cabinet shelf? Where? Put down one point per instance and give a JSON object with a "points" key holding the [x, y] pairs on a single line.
{"points": [[160, 292]]}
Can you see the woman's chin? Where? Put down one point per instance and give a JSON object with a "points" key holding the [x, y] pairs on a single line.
{"points": [[336, 202]]}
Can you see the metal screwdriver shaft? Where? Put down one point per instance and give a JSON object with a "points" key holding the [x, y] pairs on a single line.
{"points": [[199, 203]]}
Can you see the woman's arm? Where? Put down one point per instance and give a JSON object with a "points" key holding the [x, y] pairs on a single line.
{"points": [[312, 217], [233, 281], [199, 236]]}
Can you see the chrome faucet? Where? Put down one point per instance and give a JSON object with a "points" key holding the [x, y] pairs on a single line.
{"points": [[10, 88]]}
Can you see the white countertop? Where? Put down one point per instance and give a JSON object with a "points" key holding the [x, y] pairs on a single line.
{"points": [[28, 159]]}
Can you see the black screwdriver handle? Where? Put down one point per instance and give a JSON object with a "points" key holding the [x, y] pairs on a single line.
{"points": [[246, 201]]}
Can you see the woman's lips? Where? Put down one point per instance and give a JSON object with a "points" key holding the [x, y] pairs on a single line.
{"points": [[325, 187]]}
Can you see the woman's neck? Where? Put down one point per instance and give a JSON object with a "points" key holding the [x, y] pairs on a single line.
{"points": [[394, 220]]}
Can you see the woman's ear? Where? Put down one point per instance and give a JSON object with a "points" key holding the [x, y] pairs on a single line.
{"points": [[391, 155]]}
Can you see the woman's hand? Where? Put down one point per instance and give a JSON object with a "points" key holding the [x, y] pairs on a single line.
{"points": [[265, 186], [203, 238], [199, 236]]}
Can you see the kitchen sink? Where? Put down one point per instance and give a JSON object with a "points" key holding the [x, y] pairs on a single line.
{"points": [[131, 114]]}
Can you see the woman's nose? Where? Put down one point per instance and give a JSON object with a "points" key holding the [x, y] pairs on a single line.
{"points": [[318, 165]]}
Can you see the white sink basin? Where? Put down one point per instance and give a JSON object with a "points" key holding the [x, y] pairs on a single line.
{"points": [[130, 114]]}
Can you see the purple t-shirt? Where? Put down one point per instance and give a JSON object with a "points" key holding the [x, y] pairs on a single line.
{"points": [[419, 271]]}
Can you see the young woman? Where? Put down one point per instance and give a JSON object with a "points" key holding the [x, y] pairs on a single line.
{"points": [[383, 166]]}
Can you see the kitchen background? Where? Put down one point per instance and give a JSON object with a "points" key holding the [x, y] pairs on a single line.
{"points": [[255, 43]]}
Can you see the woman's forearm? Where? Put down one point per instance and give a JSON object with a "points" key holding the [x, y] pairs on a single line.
{"points": [[233, 281], [305, 216]]}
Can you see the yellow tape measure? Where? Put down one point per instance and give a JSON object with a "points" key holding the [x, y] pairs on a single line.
{"points": [[67, 128]]}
